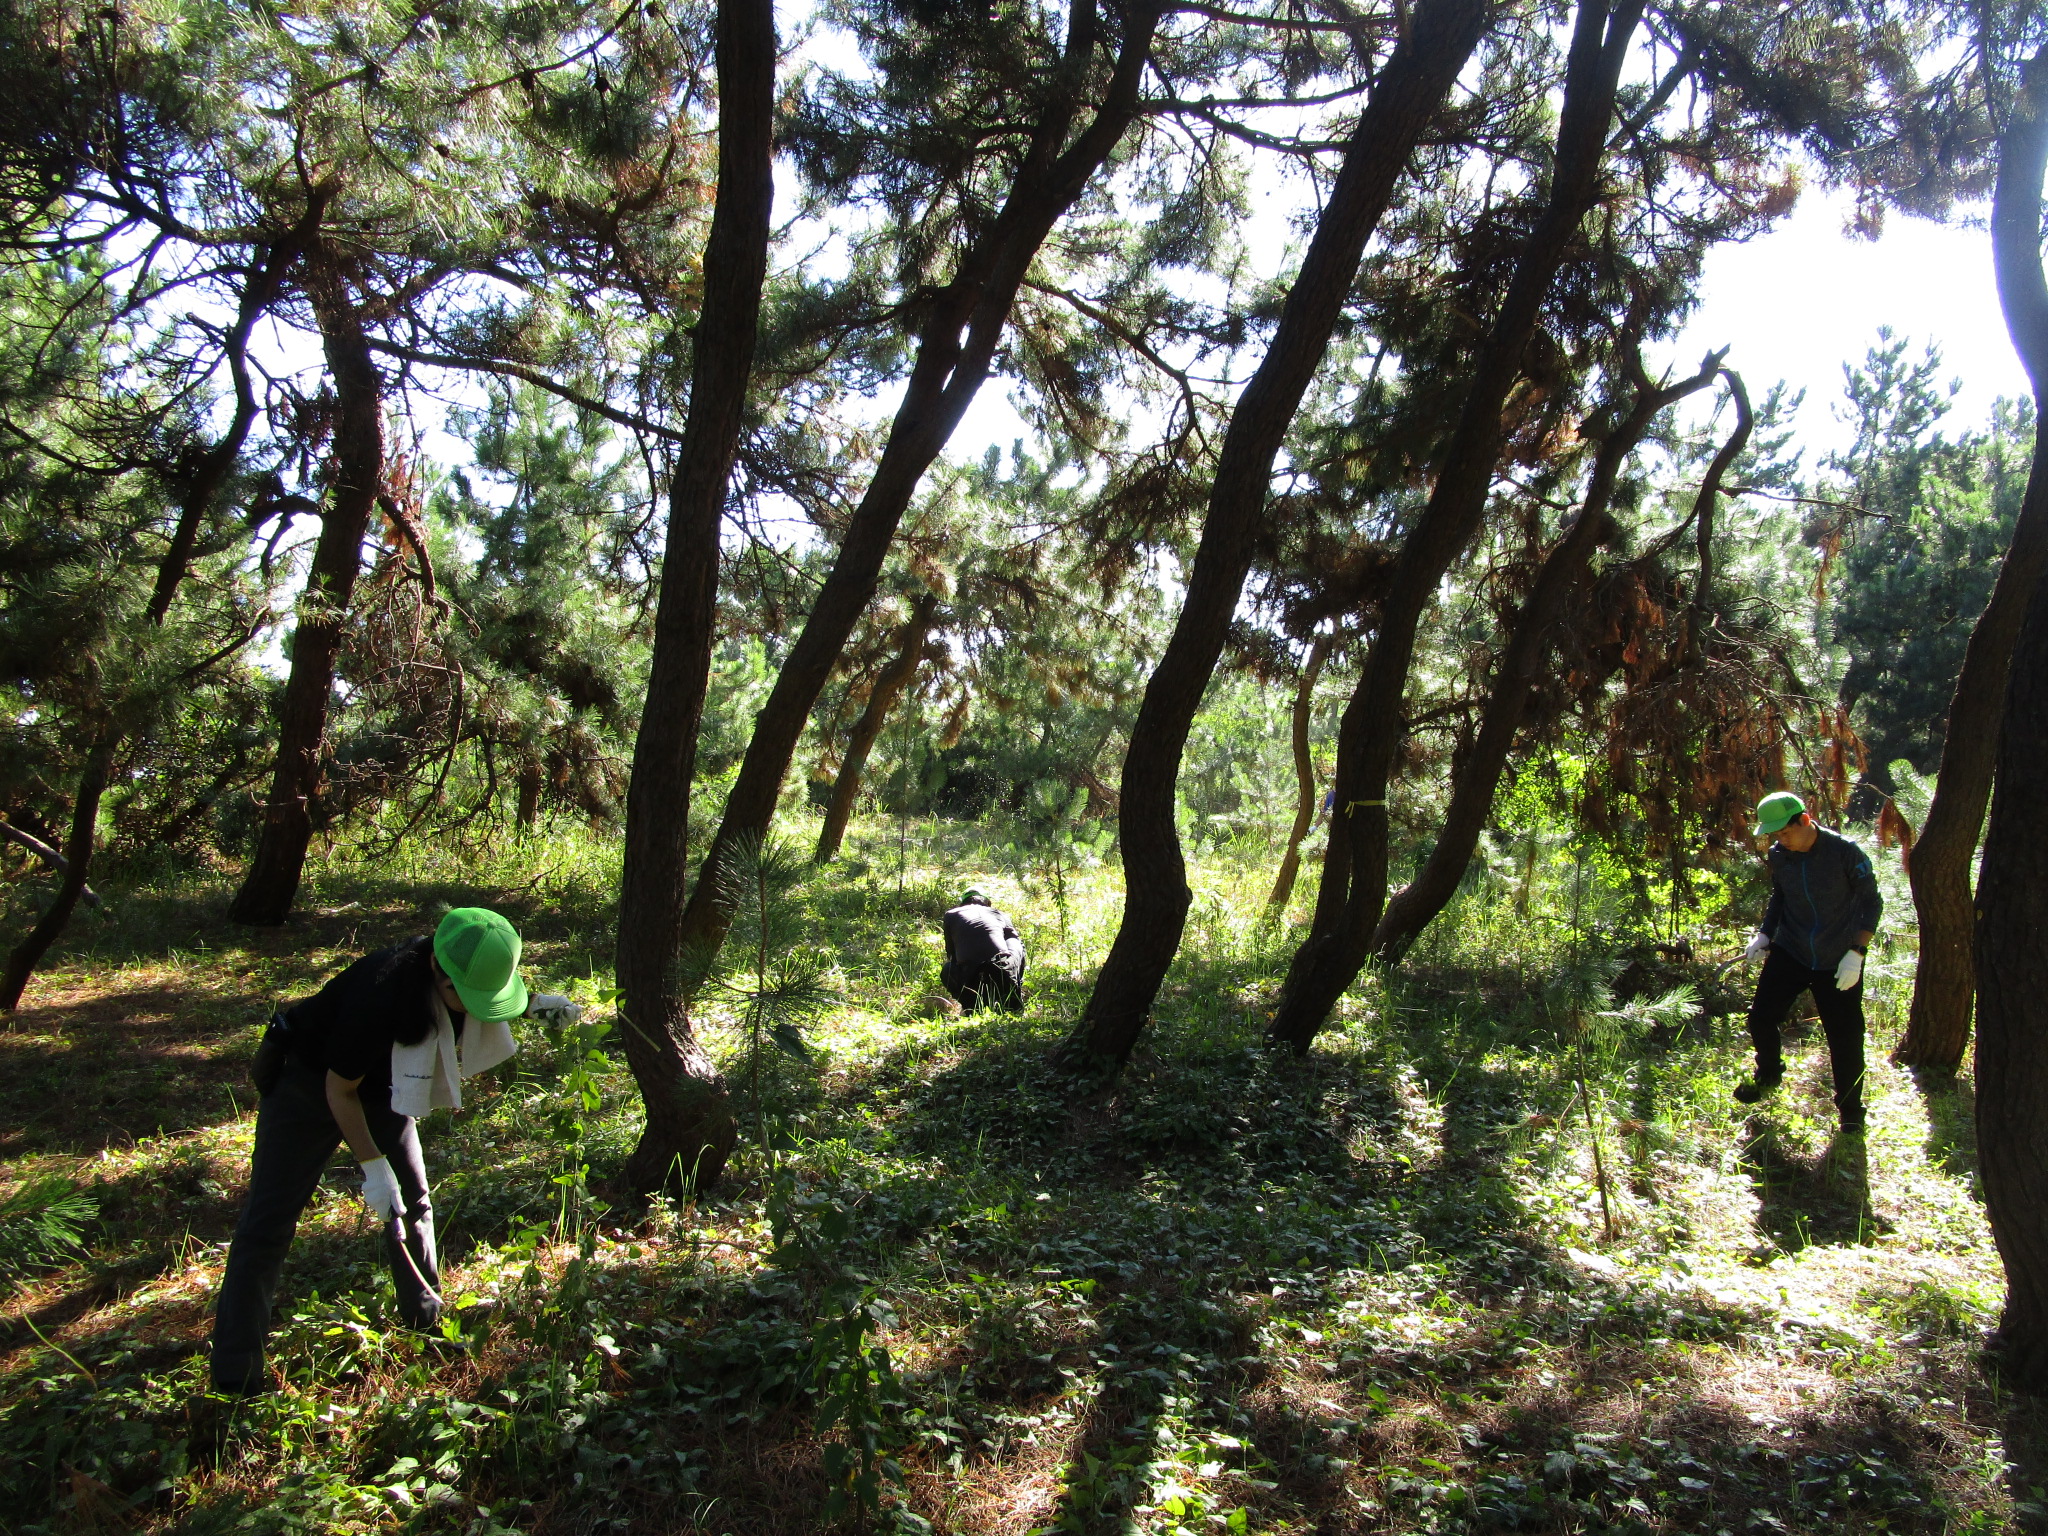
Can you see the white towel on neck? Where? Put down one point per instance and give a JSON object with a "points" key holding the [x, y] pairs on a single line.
{"points": [[429, 1075]]}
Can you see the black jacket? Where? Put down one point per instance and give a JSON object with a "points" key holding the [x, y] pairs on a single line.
{"points": [[1821, 899], [976, 934], [383, 999]]}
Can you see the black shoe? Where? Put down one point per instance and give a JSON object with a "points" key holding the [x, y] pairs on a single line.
{"points": [[1749, 1092], [1854, 1123]]}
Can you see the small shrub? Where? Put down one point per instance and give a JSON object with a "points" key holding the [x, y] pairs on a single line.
{"points": [[42, 1224]]}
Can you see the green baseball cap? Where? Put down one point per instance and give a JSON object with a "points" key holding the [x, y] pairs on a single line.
{"points": [[480, 952], [975, 893], [1774, 811]]}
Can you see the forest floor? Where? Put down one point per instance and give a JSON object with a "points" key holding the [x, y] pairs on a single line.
{"points": [[1368, 1290]]}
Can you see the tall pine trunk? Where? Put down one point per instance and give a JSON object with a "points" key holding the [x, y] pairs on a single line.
{"points": [[1407, 97], [691, 1128], [1477, 778], [1354, 887], [1938, 1028], [2012, 895], [271, 882], [867, 730], [955, 350], [1304, 772], [2012, 970]]}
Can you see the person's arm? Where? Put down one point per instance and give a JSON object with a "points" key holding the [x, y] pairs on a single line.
{"points": [[1870, 900], [1773, 911], [344, 1102]]}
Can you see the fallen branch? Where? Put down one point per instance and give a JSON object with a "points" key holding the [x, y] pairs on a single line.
{"points": [[47, 854]]}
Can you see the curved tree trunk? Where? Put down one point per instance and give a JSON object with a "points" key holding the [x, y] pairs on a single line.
{"points": [[201, 492], [2012, 894], [1304, 773], [691, 1129], [1355, 865], [260, 289], [955, 350], [1407, 97], [271, 882], [867, 730], [85, 817], [1938, 1027], [2012, 969], [1477, 779]]}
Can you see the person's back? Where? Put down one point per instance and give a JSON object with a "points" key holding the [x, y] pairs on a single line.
{"points": [[976, 934], [984, 955]]}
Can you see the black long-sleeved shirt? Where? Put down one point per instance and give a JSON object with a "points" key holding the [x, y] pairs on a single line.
{"points": [[1821, 899], [975, 934], [383, 999]]}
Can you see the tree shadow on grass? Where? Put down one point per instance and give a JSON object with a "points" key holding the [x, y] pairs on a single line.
{"points": [[1344, 1343], [1806, 1199], [108, 1069], [1950, 1099]]}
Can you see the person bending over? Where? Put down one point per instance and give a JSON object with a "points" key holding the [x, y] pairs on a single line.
{"points": [[984, 956], [1823, 913], [385, 1041]]}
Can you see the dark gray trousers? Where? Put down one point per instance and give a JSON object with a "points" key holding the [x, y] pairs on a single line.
{"points": [[1841, 1018], [295, 1140], [997, 983]]}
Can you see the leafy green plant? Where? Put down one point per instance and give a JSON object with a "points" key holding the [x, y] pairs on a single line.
{"points": [[770, 964], [582, 1044], [1912, 792], [1052, 841]]}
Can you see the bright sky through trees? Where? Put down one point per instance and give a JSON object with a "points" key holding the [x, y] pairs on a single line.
{"points": [[1796, 305], [1807, 298]]}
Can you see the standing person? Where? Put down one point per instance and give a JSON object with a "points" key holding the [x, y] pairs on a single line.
{"points": [[984, 956], [1822, 915], [385, 1041]]}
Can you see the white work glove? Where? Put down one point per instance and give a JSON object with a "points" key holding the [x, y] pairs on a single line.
{"points": [[1849, 972], [1759, 946], [380, 1188], [553, 1008]]}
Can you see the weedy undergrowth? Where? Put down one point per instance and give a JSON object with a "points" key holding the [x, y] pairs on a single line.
{"points": [[777, 977]]}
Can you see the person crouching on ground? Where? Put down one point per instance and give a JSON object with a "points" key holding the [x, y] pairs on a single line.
{"points": [[984, 956], [1823, 913], [385, 1041]]}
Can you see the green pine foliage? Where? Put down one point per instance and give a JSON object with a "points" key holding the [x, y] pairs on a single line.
{"points": [[1924, 524], [42, 1224]]}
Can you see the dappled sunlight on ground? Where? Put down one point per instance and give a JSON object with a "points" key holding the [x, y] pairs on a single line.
{"points": [[1371, 1290]]}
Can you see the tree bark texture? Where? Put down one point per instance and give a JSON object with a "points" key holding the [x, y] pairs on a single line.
{"points": [[1938, 1027], [2012, 977], [1304, 772], [1354, 887], [691, 1128], [867, 730], [1477, 778], [78, 844], [1408, 95], [955, 349], [271, 882]]}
